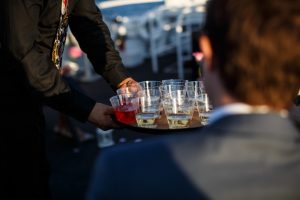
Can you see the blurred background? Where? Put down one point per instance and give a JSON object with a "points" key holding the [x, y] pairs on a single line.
{"points": [[157, 39]]}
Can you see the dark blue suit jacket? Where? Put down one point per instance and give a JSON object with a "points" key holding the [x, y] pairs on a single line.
{"points": [[253, 156]]}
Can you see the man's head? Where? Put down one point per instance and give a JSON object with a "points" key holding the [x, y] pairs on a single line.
{"points": [[253, 48]]}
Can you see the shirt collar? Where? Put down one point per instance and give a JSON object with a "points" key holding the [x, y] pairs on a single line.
{"points": [[240, 108]]}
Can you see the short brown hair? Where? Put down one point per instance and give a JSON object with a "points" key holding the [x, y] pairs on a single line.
{"points": [[256, 45]]}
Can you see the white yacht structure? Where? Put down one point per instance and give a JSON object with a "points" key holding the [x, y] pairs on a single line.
{"points": [[145, 29], [152, 28]]}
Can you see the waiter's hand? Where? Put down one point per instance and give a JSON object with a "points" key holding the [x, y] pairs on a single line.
{"points": [[129, 85], [101, 116]]}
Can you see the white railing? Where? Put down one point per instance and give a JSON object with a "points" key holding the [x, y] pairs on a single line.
{"points": [[158, 32], [116, 3], [179, 32]]}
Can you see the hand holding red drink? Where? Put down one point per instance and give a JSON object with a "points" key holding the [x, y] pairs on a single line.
{"points": [[125, 106], [126, 113]]}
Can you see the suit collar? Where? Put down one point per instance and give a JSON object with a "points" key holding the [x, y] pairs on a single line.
{"points": [[264, 125], [241, 108]]}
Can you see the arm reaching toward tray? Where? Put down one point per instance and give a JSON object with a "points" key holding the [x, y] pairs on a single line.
{"points": [[101, 116]]}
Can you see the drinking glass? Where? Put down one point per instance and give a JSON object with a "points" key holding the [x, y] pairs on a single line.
{"points": [[150, 84], [204, 108], [153, 92], [166, 91], [148, 111], [199, 84], [179, 109], [132, 88], [174, 82], [149, 92], [195, 88], [125, 107]]}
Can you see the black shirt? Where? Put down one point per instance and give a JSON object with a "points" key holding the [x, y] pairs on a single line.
{"points": [[28, 30]]}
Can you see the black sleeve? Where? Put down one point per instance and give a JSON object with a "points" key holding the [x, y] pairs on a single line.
{"points": [[94, 38], [76, 104]]}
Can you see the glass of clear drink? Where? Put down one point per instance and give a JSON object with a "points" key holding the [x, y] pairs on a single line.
{"points": [[179, 109], [194, 90], [197, 85], [148, 111], [204, 107]]}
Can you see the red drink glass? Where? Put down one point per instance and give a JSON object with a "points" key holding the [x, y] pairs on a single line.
{"points": [[125, 106]]}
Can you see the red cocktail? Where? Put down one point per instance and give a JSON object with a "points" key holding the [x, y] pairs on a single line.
{"points": [[126, 114], [125, 106]]}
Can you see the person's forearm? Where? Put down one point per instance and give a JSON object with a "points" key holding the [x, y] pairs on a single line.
{"points": [[94, 38], [73, 103]]}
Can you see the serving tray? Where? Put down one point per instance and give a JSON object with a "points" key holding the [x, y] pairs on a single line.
{"points": [[162, 125]]}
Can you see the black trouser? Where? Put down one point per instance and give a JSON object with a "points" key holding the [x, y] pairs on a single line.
{"points": [[24, 168]]}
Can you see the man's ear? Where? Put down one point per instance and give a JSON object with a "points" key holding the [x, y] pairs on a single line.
{"points": [[206, 47]]}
